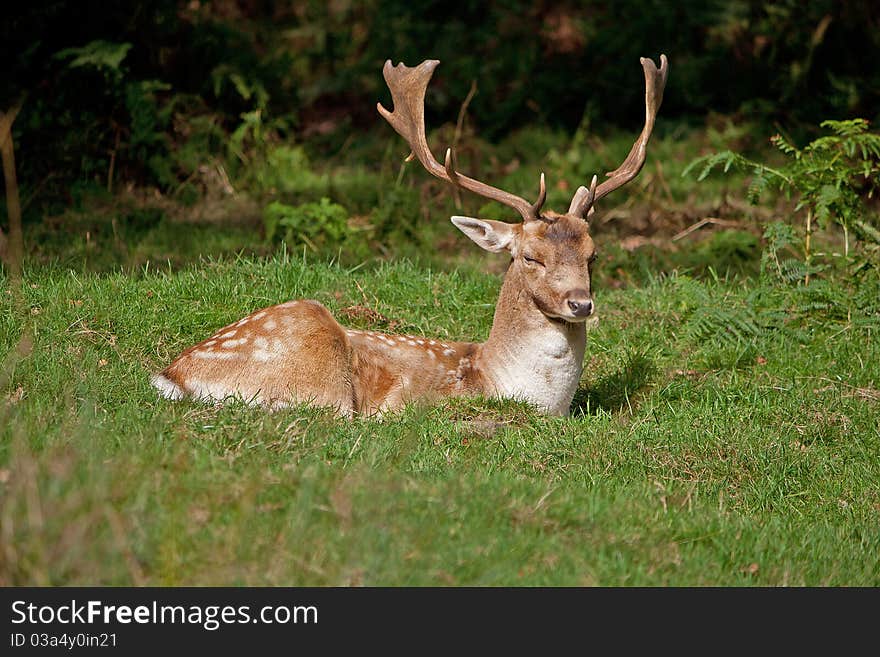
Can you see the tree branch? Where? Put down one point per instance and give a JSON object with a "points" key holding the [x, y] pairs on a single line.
{"points": [[11, 247]]}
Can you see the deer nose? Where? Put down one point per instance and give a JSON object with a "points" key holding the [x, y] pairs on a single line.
{"points": [[580, 307]]}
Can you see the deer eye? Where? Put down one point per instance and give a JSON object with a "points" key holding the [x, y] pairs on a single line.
{"points": [[592, 258], [532, 261]]}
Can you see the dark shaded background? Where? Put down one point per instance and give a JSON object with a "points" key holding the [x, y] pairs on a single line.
{"points": [[312, 70]]}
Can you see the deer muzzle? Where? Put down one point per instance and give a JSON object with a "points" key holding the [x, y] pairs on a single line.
{"points": [[579, 303]]}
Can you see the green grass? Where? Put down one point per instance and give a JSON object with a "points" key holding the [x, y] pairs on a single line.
{"points": [[695, 455]]}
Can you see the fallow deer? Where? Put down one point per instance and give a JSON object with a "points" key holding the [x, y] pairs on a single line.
{"points": [[296, 352]]}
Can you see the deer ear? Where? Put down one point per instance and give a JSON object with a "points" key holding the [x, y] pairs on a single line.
{"points": [[494, 236]]}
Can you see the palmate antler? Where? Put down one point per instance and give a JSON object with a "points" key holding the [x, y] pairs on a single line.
{"points": [[655, 83], [408, 86]]}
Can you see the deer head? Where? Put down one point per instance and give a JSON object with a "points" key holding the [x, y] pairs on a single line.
{"points": [[552, 253]]}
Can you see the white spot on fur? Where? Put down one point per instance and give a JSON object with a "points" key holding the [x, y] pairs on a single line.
{"points": [[229, 344], [262, 352], [259, 315], [263, 355], [449, 352], [289, 304], [210, 343], [228, 334], [167, 388], [270, 325]]}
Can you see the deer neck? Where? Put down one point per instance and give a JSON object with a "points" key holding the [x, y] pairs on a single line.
{"points": [[529, 356]]}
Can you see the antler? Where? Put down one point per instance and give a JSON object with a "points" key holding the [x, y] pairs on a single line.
{"points": [[655, 82], [408, 86]]}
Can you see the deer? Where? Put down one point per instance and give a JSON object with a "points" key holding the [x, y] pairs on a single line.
{"points": [[296, 353]]}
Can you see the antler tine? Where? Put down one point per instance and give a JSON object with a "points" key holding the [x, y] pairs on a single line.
{"points": [[542, 196], [408, 86], [582, 201], [450, 167], [655, 83]]}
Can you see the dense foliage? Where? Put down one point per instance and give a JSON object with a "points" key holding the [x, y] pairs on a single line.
{"points": [[142, 90], [832, 178]]}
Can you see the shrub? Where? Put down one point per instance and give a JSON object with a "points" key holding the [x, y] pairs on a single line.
{"points": [[317, 225], [831, 179]]}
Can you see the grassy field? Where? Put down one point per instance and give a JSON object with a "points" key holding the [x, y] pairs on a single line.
{"points": [[721, 436]]}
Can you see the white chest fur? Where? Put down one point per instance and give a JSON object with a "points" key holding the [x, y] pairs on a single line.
{"points": [[542, 368]]}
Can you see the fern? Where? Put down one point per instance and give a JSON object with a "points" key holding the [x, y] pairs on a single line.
{"points": [[736, 325], [709, 162], [828, 180], [759, 184], [793, 270], [847, 128], [785, 146], [719, 320], [106, 56]]}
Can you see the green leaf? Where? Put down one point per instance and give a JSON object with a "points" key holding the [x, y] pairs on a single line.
{"points": [[708, 162], [99, 54]]}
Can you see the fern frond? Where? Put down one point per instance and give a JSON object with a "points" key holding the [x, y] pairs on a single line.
{"points": [[709, 162], [722, 321], [847, 127], [784, 145], [779, 235], [759, 183], [793, 270]]}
